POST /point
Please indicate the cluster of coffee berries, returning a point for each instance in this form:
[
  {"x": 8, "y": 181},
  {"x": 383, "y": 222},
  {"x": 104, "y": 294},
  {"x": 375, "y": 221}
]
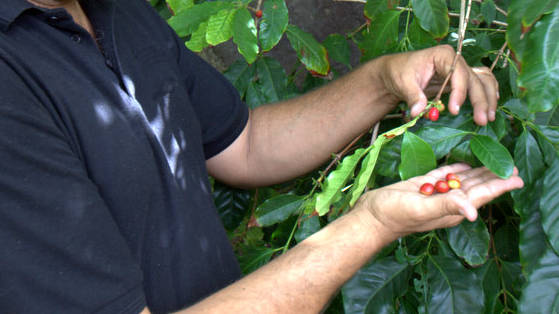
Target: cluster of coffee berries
[
  {"x": 434, "y": 112},
  {"x": 452, "y": 182}
]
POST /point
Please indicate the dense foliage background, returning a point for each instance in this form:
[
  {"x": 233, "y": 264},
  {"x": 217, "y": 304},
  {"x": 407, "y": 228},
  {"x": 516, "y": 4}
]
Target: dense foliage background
[{"x": 506, "y": 261}]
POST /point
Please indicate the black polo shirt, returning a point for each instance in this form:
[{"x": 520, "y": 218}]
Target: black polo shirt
[{"x": 105, "y": 204}]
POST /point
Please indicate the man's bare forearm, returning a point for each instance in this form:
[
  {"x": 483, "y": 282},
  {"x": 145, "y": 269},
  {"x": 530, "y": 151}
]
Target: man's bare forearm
[{"x": 304, "y": 279}]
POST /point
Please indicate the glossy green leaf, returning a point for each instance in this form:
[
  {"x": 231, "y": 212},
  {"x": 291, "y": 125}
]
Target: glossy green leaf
[
  {"x": 375, "y": 288},
  {"x": 373, "y": 8},
  {"x": 389, "y": 159},
  {"x": 338, "y": 49},
  {"x": 309, "y": 51},
  {"x": 253, "y": 258},
  {"x": 336, "y": 180},
  {"x": 220, "y": 26},
  {"x": 273, "y": 23},
  {"x": 470, "y": 240},
  {"x": 493, "y": 155},
  {"x": 417, "y": 157},
  {"x": 419, "y": 38},
  {"x": 463, "y": 153},
  {"x": 381, "y": 36},
  {"x": 309, "y": 225},
  {"x": 452, "y": 288},
  {"x": 489, "y": 273},
  {"x": 499, "y": 126},
  {"x": 272, "y": 77},
  {"x": 187, "y": 21},
  {"x": 441, "y": 139},
  {"x": 432, "y": 15},
  {"x": 549, "y": 204},
  {"x": 488, "y": 10},
  {"x": 255, "y": 97},
  {"x": 519, "y": 109},
  {"x": 277, "y": 209},
  {"x": 177, "y": 6},
  {"x": 513, "y": 278},
  {"x": 539, "y": 76},
  {"x": 548, "y": 148},
  {"x": 232, "y": 204},
  {"x": 541, "y": 294},
  {"x": 197, "y": 40},
  {"x": 515, "y": 37},
  {"x": 550, "y": 118},
  {"x": 532, "y": 240},
  {"x": 551, "y": 133},
  {"x": 528, "y": 158},
  {"x": 240, "y": 74},
  {"x": 244, "y": 35},
  {"x": 534, "y": 10},
  {"x": 488, "y": 131}
]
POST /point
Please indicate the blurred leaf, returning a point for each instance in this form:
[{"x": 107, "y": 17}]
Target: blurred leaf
[
  {"x": 539, "y": 75},
  {"x": 550, "y": 152},
  {"x": 309, "y": 226},
  {"x": 549, "y": 204},
  {"x": 277, "y": 209},
  {"x": 381, "y": 36},
  {"x": 253, "y": 258},
  {"x": 232, "y": 204},
  {"x": 463, "y": 153},
  {"x": 550, "y": 118},
  {"x": 240, "y": 74},
  {"x": 512, "y": 277},
  {"x": 309, "y": 51},
  {"x": 488, "y": 10},
  {"x": 376, "y": 7},
  {"x": 220, "y": 26},
  {"x": 452, "y": 288},
  {"x": 197, "y": 40},
  {"x": 541, "y": 294},
  {"x": 528, "y": 158},
  {"x": 179, "y": 5},
  {"x": 273, "y": 23},
  {"x": 244, "y": 35},
  {"x": 489, "y": 274},
  {"x": 336, "y": 180},
  {"x": 419, "y": 38},
  {"x": 272, "y": 77},
  {"x": 519, "y": 109},
  {"x": 441, "y": 139},
  {"x": 532, "y": 242},
  {"x": 499, "y": 125},
  {"x": 417, "y": 157},
  {"x": 338, "y": 49},
  {"x": 432, "y": 15},
  {"x": 187, "y": 21},
  {"x": 506, "y": 242},
  {"x": 389, "y": 159},
  {"x": 488, "y": 131},
  {"x": 470, "y": 240},
  {"x": 375, "y": 288},
  {"x": 255, "y": 97},
  {"x": 493, "y": 155}
]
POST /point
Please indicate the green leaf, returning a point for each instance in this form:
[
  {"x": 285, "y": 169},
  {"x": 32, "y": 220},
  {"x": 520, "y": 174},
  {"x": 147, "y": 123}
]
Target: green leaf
[
  {"x": 232, "y": 204},
  {"x": 244, "y": 35},
  {"x": 541, "y": 293},
  {"x": 336, "y": 180},
  {"x": 240, "y": 74},
  {"x": 493, "y": 155},
  {"x": 534, "y": 10},
  {"x": 506, "y": 242},
  {"x": 197, "y": 40},
  {"x": 373, "y": 8},
  {"x": 432, "y": 15},
  {"x": 375, "y": 288},
  {"x": 309, "y": 51},
  {"x": 550, "y": 152},
  {"x": 417, "y": 157},
  {"x": 441, "y": 139},
  {"x": 532, "y": 241},
  {"x": 499, "y": 126},
  {"x": 519, "y": 109},
  {"x": 272, "y": 77},
  {"x": 338, "y": 49},
  {"x": 277, "y": 209},
  {"x": 549, "y": 204},
  {"x": 273, "y": 23},
  {"x": 255, "y": 97},
  {"x": 389, "y": 159},
  {"x": 253, "y": 258},
  {"x": 548, "y": 118},
  {"x": 463, "y": 153},
  {"x": 489, "y": 273},
  {"x": 381, "y": 36},
  {"x": 187, "y": 21},
  {"x": 470, "y": 240},
  {"x": 220, "y": 26},
  {"x": 308, "y": 227},
  {"x": 488, "y": 10},
  {"x": 177, "y": 6},
  {"x": 539, "y": 76},
  {"x": 419, "y": 38},
  {"x": 452, "y": 288},
  {"x": 528, "y": 158}
]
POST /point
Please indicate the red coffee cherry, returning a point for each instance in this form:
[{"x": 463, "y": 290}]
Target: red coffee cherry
[
  {"x": 258, "y": 13},
  {"x": 427, "y": 189},
  {"x": 454, "y": 184},
  {"x": 433, "y": 114},
  {"x": 451, "y": 176},
  {"x": 442, "y": 187}
]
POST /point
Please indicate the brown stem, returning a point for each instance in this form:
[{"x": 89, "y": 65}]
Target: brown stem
[
  {"x": 375, "y": 132},
  {"x": 499, "y": 55},
  {"x": 494, "y": 249},
  {"x": 339, "y": 156}
]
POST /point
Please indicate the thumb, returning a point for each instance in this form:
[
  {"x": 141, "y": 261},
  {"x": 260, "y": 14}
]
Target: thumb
[{"x": 416, "y": 100}]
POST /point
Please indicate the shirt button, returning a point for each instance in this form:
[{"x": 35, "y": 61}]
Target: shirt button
[
  {"x": 76, "y": 38},
  {"x": 53, "y": 18},
  {"x": 109, "y": 63}
]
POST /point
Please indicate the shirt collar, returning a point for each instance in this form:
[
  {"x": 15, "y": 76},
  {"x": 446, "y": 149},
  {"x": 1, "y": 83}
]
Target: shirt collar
[{"x": 10, "y": 10}]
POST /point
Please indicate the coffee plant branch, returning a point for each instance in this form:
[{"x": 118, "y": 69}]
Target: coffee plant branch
[{"x": 499, "y": 55}]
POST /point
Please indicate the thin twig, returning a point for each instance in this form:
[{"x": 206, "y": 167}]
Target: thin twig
[
  {"x": 503, "y": 12},
  {"x": 259, "y": 5},
  {"x": 499, "y": 55},
  {"x": 339, "y": 156},
  {"x": 375, "y": 133}
]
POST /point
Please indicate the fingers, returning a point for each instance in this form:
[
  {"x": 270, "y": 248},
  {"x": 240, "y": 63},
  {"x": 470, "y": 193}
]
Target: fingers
[
  {"x": 491, "y": 87},
  {"x": 441, "y": 172}
]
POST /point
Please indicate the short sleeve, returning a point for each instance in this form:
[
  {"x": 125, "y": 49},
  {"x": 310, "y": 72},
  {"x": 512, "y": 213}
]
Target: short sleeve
[
  {"x": 217, "y": 103},
  {"x": 61, "y": 251}
]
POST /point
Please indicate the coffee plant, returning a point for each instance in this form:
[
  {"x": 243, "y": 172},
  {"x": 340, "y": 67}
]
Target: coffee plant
[{"x": 505, "y": 261}]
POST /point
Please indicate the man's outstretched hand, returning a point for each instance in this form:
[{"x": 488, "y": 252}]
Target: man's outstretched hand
[
  {"x": 414, "y": 77},
  {"x": 399, "y": 209}
]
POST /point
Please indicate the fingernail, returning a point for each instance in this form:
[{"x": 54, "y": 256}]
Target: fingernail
[
  {"x": 492, "y": 115},
  {"x": 415, "y": 109}
]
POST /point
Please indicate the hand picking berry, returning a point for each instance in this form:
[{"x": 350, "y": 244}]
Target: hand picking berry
[{"x": 433, "y": 114}]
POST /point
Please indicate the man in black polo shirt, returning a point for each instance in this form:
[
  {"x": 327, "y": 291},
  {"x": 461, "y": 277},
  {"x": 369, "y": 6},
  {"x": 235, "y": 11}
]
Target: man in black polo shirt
[{"x": 107, "y": 126}]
